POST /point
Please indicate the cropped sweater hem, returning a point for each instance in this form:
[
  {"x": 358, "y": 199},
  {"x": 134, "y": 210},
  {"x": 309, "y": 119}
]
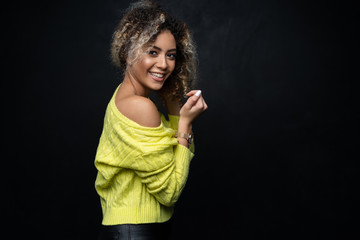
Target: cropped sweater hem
[{"x": 136, "y": 215}]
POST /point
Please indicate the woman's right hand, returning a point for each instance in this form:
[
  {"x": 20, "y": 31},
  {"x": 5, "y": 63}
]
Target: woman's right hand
[{"x": 193, "y": 107}]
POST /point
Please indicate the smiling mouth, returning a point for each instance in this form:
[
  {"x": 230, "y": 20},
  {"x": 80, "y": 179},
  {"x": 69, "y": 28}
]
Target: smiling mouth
[{"x": 157, "y": 76}]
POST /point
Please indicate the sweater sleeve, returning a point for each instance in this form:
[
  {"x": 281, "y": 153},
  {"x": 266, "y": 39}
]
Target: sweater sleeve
[
  {"x": 152, "y": 153},
  {"x": 167, "y": 181},
  {"x": 163, "y": 163}
]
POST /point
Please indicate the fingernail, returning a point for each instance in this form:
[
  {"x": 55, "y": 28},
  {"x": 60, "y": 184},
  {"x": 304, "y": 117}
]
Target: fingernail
[{"x": 198, "y": 93}]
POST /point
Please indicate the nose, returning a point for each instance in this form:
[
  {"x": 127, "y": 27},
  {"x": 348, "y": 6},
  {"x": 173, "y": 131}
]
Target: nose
[{"x": 162, "y": 62}]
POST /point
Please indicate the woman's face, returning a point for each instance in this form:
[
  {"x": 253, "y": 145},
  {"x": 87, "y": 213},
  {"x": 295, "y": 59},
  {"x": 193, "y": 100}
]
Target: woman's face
[{"x": 151, "y": 71}]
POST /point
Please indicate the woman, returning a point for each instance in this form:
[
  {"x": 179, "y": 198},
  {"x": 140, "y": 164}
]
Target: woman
[{"x": 143, "y": 159}]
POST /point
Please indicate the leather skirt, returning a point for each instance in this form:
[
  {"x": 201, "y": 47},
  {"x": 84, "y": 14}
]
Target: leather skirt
[{"x": 149, "y": 231}]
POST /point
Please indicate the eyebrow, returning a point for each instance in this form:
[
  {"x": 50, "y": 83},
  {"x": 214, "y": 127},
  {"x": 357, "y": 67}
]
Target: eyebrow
[{"x": 170, "y": 50}]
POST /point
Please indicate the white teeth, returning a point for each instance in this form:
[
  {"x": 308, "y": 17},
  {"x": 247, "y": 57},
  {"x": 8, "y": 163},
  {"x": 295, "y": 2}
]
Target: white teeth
[{"x": 158, "y": 75}]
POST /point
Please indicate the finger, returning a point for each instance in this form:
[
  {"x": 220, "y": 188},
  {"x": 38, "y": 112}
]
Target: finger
[
  {"x": 203, "y": 104},
  {"x": 193, "y": 100},
  {"x": 192, "y": 92}
]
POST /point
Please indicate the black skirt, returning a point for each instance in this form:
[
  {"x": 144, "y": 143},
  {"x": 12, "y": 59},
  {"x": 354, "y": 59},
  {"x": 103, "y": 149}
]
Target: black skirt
[{"x": 149, "y": 231}]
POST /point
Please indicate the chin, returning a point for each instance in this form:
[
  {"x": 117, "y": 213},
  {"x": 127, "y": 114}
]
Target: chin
[{"x": 157, "y": 87}]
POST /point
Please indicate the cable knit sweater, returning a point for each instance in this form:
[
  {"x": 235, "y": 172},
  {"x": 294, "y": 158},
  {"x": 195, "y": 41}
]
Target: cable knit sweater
[{"x": 141, "y": 170}]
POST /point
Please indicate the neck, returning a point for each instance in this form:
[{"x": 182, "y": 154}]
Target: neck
[{"x": 136, "y": 87}]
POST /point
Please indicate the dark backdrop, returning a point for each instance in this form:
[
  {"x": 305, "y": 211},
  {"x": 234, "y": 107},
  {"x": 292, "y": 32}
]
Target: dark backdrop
[{"x": 276, "y": 151}]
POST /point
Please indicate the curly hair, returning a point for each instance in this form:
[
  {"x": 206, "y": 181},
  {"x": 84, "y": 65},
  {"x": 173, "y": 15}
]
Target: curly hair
[{"x": 142, "y": 22}]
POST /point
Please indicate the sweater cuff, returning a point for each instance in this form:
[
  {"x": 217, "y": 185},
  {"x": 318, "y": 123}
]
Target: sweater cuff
[{"x": 183, "y": 153}]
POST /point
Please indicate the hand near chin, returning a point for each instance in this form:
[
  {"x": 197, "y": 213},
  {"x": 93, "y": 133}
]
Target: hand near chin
[{"x": 194, "y": 106}]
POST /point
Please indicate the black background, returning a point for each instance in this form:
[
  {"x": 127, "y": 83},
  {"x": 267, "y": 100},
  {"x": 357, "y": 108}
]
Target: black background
[{"x": 276, "y": 151}]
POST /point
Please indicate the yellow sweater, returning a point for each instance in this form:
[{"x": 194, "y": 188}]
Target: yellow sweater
[{"x": 141, "y": 170}]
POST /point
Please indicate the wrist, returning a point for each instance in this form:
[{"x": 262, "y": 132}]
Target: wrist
[
  {"x": 187, "y": 136},
  {"x": 183, "y": 141},
  {"x": 184, "y": 126}
]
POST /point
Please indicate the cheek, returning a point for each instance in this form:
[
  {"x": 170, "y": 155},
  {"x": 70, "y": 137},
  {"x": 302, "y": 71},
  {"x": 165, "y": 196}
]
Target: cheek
[
  {"x": 146, "y": 64},
  {"x": 171, "y": 66}
]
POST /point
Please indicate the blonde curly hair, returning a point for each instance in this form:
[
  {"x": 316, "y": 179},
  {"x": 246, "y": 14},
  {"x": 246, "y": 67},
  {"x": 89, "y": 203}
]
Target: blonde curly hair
[{"x": 141, "y": 24}]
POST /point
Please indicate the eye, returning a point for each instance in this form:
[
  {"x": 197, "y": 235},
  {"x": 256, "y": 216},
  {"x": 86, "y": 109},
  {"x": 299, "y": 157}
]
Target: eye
[
  {"x": 172, "y": 56},
  {"x": 153, "y": 53}
]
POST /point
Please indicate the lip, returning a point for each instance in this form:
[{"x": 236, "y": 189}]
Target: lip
[{"x": 157, "y": 78}]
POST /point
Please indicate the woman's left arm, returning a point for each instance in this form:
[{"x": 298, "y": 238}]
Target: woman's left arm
[{"x": 166, "y": 181}]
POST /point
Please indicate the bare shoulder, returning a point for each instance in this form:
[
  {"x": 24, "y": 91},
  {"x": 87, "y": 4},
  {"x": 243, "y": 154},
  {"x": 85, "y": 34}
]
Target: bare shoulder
[{"x": 140, "y": 110}]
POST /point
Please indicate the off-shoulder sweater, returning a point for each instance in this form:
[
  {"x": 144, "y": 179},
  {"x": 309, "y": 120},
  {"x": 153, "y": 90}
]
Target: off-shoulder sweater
[{"x": 141, "y": 170}]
